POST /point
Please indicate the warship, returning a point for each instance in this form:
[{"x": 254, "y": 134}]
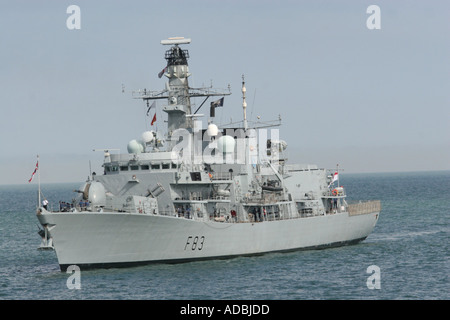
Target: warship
[{"x": 195, "y": 193}]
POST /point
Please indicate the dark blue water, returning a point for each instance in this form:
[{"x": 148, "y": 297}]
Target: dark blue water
[{"x": 410, "y": 245}]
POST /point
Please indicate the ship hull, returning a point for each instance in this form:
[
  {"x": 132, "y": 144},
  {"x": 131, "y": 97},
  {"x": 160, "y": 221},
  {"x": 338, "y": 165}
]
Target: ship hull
[{"x": 98, "y": 240}]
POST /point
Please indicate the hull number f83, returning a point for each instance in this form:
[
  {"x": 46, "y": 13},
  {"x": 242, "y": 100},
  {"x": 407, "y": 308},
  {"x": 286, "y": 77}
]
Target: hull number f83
[{"x": 194, "y": 243}]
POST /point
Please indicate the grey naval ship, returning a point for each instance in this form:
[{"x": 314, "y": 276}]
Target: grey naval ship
[{"x": 194, "y": 193}]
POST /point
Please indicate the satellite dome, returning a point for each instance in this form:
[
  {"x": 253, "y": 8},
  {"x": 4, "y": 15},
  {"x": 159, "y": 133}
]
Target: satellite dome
[
  {"x": 148, "y": 136},
  {"x": 212, "y": 130},
  {"x": 226, "y": 144},
  {"x": 135, "y": 146}
]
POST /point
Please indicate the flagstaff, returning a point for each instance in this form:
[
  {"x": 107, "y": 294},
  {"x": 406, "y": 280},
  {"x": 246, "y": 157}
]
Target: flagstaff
[
  {"x": 39, "y": 183},
  {"x": 337, "y": 170},
  {"x": 244, "y": 103},
  {"x": 36, "y": 169}
]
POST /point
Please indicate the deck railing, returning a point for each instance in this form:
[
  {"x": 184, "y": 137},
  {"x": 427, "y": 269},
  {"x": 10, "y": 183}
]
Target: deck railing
[
  {"x": 364, "y": 207},
  {"x": 221, "y": 176}
]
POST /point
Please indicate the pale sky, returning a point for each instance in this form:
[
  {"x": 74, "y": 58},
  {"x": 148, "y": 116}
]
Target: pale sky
[{"x": 370, "y": 100}]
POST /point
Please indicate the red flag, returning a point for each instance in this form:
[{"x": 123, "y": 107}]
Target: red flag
[
  {"x": 34, "y": 172},
  {"x": 162, "y": 72},
  {"x": 335, "y": 177},
  {"x": 154, "y": 119}
]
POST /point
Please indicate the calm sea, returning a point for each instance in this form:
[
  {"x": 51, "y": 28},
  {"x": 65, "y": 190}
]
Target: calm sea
[{"x": 410, "y": 246}]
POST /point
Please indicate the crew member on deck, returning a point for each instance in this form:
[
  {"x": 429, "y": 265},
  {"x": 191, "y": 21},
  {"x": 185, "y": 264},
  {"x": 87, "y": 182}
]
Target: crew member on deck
[
  {"x": 45, "y": 203},
  {"x": 233, "y": 215}
]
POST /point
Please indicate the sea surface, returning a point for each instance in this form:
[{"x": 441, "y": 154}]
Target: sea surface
[{"x": 409, "y": 251}]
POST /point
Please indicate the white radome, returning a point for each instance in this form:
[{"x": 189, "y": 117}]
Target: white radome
[
  {"x": 135, "y": 146},
  {"x": 148, "y": 136},
  {"x": 212, "y": 130},
  {"x": 226, "y": 144}
]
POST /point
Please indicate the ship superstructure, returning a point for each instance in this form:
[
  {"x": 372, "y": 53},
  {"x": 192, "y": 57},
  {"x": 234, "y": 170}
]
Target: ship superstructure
[{"x": 201, "y": 193}]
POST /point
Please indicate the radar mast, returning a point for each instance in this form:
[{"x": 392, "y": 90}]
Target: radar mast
[{"x": 177, "y": 90}]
